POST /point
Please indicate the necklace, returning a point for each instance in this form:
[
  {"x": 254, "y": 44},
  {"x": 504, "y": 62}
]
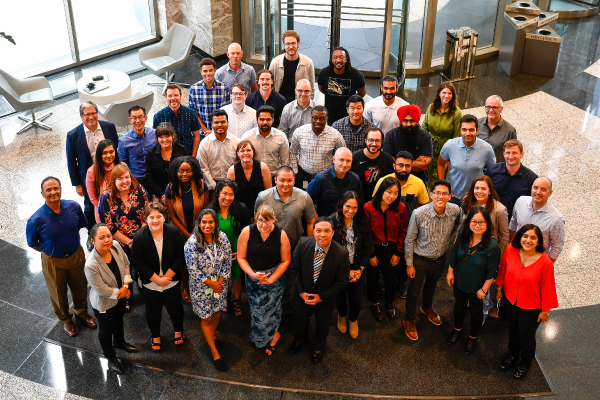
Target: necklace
[
  {"x": 186, "y": 191},
  {"x": 523, "y": 258}
]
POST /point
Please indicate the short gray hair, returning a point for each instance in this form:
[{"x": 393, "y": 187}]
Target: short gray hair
[
  {"x": 495, "y": 96},
  {"x": 87, "y": 104}
]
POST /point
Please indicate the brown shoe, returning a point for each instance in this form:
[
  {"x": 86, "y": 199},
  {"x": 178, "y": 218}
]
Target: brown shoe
[
  {"x": 410, "y": 327},
  {"x": 494, "y": 315},
  {"x": 88, "y": 320},
  {"x": 70, "y": 329},
  {"x": 432, "y": 315},
  {"x": 353, "y": 329}
]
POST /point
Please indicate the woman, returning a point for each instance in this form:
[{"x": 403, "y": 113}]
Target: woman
[
  {"x": 251, "y": 175},
  {"x": 208, "y": 259},
  {"x": 97, "y": 179},
  {"x": 473, "y": 267},
  {"x": 233, "y": 216},
  {"x": 526, "y": 280},
  {"x": 352, "y": 230},
  {"x": 158, "y": 253},
  {"x": 185, "y": 196},
  {"x": 159, "y": 158},
  {"x": 264, "y": 254},
  {"x": 388, "y": 220},
  {"x": 442, "y": 121},
  {"x": 107, "y": 272}
]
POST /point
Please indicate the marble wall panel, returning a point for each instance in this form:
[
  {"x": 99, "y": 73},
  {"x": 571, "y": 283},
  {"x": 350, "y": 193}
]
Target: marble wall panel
[{"x": 222, "y": 25}]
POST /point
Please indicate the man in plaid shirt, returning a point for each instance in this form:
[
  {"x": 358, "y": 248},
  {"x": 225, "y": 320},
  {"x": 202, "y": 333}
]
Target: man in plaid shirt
[{"x": 208, "y": 94}]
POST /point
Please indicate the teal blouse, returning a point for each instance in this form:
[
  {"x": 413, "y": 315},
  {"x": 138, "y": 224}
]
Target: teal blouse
[{"x": 483, "y": 264}]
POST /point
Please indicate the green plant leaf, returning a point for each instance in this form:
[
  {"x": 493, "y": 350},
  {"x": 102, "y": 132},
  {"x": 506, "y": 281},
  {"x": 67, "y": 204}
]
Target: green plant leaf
[{"x": 8, "y": 37}]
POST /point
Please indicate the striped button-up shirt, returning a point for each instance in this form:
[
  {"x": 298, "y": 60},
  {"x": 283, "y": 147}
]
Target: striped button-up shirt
[
  {"x": 204, "y": 100},
  {"x": 429, "y": 234},
  {"x": 242, "y": 122},
  {"x": 354, "y": 140},
  {"x": 314, "y": 153},
  {"x": 548, "y": 219},
  {"x": 273, "y": 149}
]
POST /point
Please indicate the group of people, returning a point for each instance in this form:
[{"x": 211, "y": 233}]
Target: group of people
[{"x": 254, "y": 185}]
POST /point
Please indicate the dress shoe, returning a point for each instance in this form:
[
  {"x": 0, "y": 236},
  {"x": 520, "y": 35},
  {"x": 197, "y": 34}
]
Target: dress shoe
[
  {"x": 128, "y": 347},
  {"x": 220, "y": 365},
  {"x": 115, "y": 365},
  {"x": 353, "y": 329},
  {"x": 520, "y": 372},
  {"x": 88, "y": 320},
  {"x": 470, "y": 347},
  {"x": 70, "y": 329},
  {"x": 433, "y": 316},
  {"x": 342, "y": 324},
  {"x": 410, "y": 327},
  {"x": 494, "y": 315},
  {"x": 453, "y": 338},
  {"x": 390, "y": 311},
  {"x": 317, "y": 356},
  {"x": 507, "y": 362},
  {"x": 376, "y": 309},
  {"x": 295, "y": 347}
]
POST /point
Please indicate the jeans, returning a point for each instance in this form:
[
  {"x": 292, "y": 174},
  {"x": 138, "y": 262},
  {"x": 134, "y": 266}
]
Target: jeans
[
  {"x": 428, "y": 273},
  {"x": 521, "y": 332}
]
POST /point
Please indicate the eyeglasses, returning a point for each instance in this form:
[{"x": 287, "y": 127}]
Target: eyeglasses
[
  {"x": 373, "y": 140},
  {"x": 264, "y": 222},
  {"x": 137, "y": 118},
  {"x": 342, "y": 58},
  {"x": 488, "y": 108},
  {"x": 302, "y": 91},
  {"x": 403, "y": 166},
  {"x": 237, "y": 94},
  {"x": 478, "y": 223},
  {"x": 290, "y": 44},
  {"x": 440, "y": 194},
  {"x": 90, "y": 115}
]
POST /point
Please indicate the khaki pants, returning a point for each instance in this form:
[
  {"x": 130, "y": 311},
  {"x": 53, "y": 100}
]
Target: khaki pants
[{"x": 60, "y": 272}]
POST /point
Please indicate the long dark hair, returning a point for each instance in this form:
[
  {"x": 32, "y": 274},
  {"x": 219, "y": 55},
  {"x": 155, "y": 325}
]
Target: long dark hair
[
  {"x": 174, "y": 183},
  {"x": 99, "y": 165},
  {"x": 437, "y": 102},
  {"x": 346, "y": 52},
  {"x": 465, "y": 235},
  {"x": 516, "y": 242},
  {"x": 200, "y": 242},
  {"x": 359, "y": 219},
  {"x": 469, "y": 199},
  {"x": 236, "y": 207},
  {"x": 385, "y": 185}
]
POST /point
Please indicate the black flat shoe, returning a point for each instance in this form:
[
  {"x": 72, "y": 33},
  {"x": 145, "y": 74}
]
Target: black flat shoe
[
  {"x": 507, "y": 362},
  {"x": 115, "y": 365},
  {"x": 295, "y": 347},
  {"x": 470, "y": 347},
  {"x": 220, "y": 364},
  {"x": 390, "y": 311},
  {"x": 376, "y": 310},
  {"x": 520, "y": 372},
  {"x": 453, "y": 338},
  {"x": 128, "y": 347},
  {"x": 317, "y": 356}
]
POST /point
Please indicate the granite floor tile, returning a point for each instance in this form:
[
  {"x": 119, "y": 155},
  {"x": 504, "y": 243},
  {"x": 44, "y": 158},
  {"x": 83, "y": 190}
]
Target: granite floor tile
[
  {"x": 576, "y": 383},
  {"x": 580, "y": 288},
  {"x": 575, "y": 259},
  {"x": 15, "y": 388}
]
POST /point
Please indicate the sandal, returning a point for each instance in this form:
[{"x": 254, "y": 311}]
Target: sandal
[
  {"x": 185, "y": 296},
  {"x": 228, "y": 305},
  {"x": 178, "y": 338},
  {"x": 269, "y": 350},
  {"x": 155, "y": 344},
  {"x": 237, "y": 306}
]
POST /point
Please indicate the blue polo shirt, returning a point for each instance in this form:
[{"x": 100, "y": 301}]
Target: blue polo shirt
[
  {"x": 511, "y": 187},
  {"x": 275, "y": 100},
  {"x": 56, "y": 234},
  {"x": 246, "y": 75},
  {"x": 326, "y": 188},
  {"x": 133, "y": 148},
  {"x": 466, "y": 162},
  {"x": 184, "y": 123}
]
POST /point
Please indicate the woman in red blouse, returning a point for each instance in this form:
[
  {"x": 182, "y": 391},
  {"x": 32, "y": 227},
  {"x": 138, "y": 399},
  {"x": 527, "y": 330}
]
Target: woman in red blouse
[
  {"x": 526, "y": 279},
  {"x": 389, "y": 222}
]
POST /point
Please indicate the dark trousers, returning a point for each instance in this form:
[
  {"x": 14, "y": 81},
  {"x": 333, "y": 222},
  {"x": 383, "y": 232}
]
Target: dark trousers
[
  {"x": 323, "y": 313},
  {"x": 384, "y": 256},
  {"x": 302, "y": 176},
  {"x": 521, "y": 332},
  {"x": 354, "y": 293},
  {"x": 88, "y": 211},
  {"x": 460, "y": 310},
  {"x": 110, "y": 328},
  {"x": 455, "y": 200},
  {"x": 427, "y": 273},
  {"x": 171, "y": 300},
  {"x": 401, "y": 276}
]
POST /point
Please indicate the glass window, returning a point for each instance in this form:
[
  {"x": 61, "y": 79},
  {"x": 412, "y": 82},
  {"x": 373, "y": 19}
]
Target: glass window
[{"x": 414, "y": 35}]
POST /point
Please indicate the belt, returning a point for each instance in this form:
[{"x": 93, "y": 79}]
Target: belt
[{"x": 431, "y": 260}]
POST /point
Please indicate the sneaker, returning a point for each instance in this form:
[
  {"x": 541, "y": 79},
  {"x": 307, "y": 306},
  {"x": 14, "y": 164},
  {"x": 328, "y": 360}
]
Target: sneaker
[
  {"x": 432, "y": 315},
  {"x": 410, "y": 327}
]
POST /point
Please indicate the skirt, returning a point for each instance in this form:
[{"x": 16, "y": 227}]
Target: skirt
[{"x": 265, "y": 308}]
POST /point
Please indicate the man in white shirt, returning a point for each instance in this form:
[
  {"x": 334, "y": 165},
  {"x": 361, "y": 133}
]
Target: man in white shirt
[
  {"x": 217, "y": 150},
  {"x": 241, "y": 117},
  {"x": 382, "y": 110},
  {"x": 271, "y": 144},
  {"x": 297, "y": 113}
]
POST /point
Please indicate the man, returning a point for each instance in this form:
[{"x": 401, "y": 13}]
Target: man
[
  {"x": 266, "y": 95},
  {"x": 370, "y": 163},
  {"x": 537, "y": 209},
  {"x": 313, "y": 146},
  {"x": 134, "y": 145},
  {"x": 81, "y": 151},
  {"x": 468, "y": 157},
  {"x": 430, "y": 236},
  {"x": 290, "y": 67},
  {"x": 338, "y": 81},
  {"x": 271, "y": 144},
  {"x": 53, "y": 230},
  {"x": 511, "y": 178},
  {"x": 319, "y": 270},
  {"x": 353, "y": 127},
  {"x": 382, "y": 110},
  {"x": 494, "y": 129},
  {"x": 207, "y": 95},
  {"x": 235, "y": 71},
  {"x": 241, "y": 117},
  {"x": 328, "y": 186},
  {"x": 297, "y": 113},
  {"x": 184, "y": 120},
  {"x": 217, "y": 150},
  {"x": 409, "y": 136}
]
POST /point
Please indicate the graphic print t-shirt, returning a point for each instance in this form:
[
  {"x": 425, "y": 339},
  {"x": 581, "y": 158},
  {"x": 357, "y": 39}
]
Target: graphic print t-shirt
[
  {"x": 338, "y": 89},
  {"x": 371, "y": 170}
]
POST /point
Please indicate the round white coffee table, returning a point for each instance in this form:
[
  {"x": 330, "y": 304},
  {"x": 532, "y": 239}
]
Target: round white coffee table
[{"x": 119, "y": 87}]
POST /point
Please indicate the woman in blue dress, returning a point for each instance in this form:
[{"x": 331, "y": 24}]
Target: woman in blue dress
[{"x": 208, "y": 259}]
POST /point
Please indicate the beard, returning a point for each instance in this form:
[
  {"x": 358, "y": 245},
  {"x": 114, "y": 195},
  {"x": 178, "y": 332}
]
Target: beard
[
  {"x": 402, "y": 176},
  {"x": 408, "y": 134}
]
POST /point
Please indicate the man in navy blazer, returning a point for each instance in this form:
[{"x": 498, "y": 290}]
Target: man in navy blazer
[
  {"x": 81, "y": 150},
  {"x": 316, "y": 288}
]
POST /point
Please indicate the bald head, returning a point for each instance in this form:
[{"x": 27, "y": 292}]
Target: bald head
[
  {"x": 235, "y": 54},
  {"x": 541, "y": 190},
  {"x": 342, "y": 161}
]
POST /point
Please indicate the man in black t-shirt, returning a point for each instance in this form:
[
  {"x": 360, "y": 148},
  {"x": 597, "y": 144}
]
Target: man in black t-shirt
[
  {"x": 370, "y": 163},
  {"x": 339, "y": 81}
]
